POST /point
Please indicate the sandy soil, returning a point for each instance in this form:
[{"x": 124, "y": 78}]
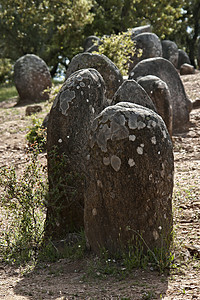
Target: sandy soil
[{"x": 67, "y": 279}]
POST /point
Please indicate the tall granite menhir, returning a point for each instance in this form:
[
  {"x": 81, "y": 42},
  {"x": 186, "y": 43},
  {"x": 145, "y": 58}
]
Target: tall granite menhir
[
  {"x": 162, "y": 68},
  {"x": 80, "y": 99},
  {"x": 128, "y": 194},
  {"x": 32, "y": 79}
]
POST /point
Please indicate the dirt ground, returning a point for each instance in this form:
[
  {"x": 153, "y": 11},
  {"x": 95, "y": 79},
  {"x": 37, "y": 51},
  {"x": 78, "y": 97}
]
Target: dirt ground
[{"x": 67, "y": 279}]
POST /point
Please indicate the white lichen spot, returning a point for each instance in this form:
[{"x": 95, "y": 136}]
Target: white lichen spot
[
  {"x": 132, "y": 138},
  {"x": 155, "y": 235},
  {"x": 106, "y": 161},
  {"x": 112, "y": 77},
  {"x": 94, "y": 212},
  {"x": 154, "y": 123},
  {"x": 67, "y": 136},
  {"x": 150, "y": 176},
  {"x": 82, "y": 84},
  {"x": 93, "y": 110},
  {"x": 99, "y": 183},
  {"x": 160, "y": 227},
  {"x": 88, "y": 86},
  {"x": 88, "y": 157},
  {"x": 153, "y": 140},
  {"x": 158, "y": 152},
  {"x": 87, "y": 100},
  {"x": 141, "y": 125},
  {"x": 131, "y": 162},
  {"x": 60, "y": 141},
  {"x": 142, "y": 145},
  {"x": 140, "y": 150},
  {"x": 115, "y": 162},
  {"x": 78, "y": 87},
  {"x": 164, "y": 134},
  {"x": 82, "y": 93},
  {"x": 165, "y": 217}
]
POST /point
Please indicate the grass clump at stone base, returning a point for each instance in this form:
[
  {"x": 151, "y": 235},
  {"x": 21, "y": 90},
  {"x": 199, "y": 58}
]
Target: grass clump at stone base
[
  {"x": 23, "y": 202},
  {"x": 7, "y": 91},
  {"x": 37, "y": 135}
]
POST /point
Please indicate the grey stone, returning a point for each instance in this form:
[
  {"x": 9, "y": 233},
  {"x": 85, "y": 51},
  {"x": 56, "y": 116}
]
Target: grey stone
[
  {"x": 159, "y": 93},
  {"x": 90, "y": 41},
  {"x": 110, "y": 73},
  {"x": 162, "y": 68},
  {"x": 128, "y": 195},
  {"x": 140, "y": 29},
  {"x": 80, "y": 99},
  {"x": 198, "y": 53},
  {"x": 182, "y": 58},
  {"x": 131, "y": 91},
  {"x": 150, "y": 45},
  {"x": 170, "y": 52},
  {"x": 32, "y": 109},
  {"x": 186, "y": 69},
  {"x": 32, "y": 78}
]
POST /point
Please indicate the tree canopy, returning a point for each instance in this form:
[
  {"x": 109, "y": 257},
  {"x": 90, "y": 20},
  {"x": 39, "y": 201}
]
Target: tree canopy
[
  {"x": 55, "y": 30},
  {"x": 51, "y": 29}
]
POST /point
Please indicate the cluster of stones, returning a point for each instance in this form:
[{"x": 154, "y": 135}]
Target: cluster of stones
[
  {"x": 112, "y": 136},
  {"x": 109, "y": 149}
]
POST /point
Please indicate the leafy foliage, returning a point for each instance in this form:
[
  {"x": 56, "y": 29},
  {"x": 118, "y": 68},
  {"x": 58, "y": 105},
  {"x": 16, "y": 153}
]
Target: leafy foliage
[
  {"x": 37, "y": 135},
  {"x": 23, "y": 202},
  {"x": 50, "y": 29},
  {"x": 119, "y": 48}
]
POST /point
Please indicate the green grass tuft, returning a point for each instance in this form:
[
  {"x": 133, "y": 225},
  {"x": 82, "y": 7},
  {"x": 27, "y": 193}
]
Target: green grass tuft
[{"x": 7, "y": 91}]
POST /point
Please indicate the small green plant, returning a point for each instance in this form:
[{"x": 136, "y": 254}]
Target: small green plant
[
  {"x": 119, "y": 48},
  {"x": 23, "y": 202},
  {"x": 37, "y": 135}
]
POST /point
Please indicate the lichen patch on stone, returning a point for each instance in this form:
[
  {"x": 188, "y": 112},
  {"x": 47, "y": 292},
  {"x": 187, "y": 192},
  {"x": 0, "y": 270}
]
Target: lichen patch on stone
[
  {"x": 140, "y": 150},
  {"x": 132, "y": 138},
  {"x": 115, "y": 162},
  {"x": 65, "y": 98},
  {"x": 131, "y": 162}
]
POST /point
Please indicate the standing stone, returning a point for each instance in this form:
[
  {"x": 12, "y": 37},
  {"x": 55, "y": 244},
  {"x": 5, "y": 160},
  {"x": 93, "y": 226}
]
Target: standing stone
[
  {"x": 131, "y": 91},
  {"x": 183, "y": 58},
  {"x": 170, "y": 52},
  {"x": 129, "y": 190},
  {"x": 32, "y": 78},
  {"x": 198, "y": 53},
  {"x": 162, "y": 68},
  {"x": 90, "y": 41},
  {"x": 159, "y": 93},
  {"x": 140, "y": 29},
  {"x": 80, "y": 99},
  {"x": 149, "y": 44},
  {"x": 110, "y": 73}
]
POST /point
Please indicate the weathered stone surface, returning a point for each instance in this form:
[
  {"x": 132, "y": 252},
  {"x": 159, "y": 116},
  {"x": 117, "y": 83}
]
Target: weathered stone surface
[
  {"x": 181, "y": 105},
  {"x": 137, "y": 30},
  {"x": 131, "y": 91},
  {"x": 170, "y": 52},
  {"x": 198, "y": 54},
  {"x": 80, "y": 99},
  {"x": 110, "y": 73},
  {"x": 150, "y": 45},
  {"x": 186, "y": 69},
  {"x": 159, "y": 93},
  {"x": 183, "y": 58},
  {"x": 129, "y": 188},
  {"x": 90, "y": 41},
  {"x": 32, "y": 109},
  {"x": 32, "y": 78}
]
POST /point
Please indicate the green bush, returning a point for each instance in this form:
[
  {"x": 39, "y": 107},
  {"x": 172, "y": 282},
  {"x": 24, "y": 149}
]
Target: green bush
[
  {"x": 119, "y": 48},
  {"x": 23, "y": 204},
  {"x": 5, "y": 70},
  {"x": 37, "y": 135}
]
